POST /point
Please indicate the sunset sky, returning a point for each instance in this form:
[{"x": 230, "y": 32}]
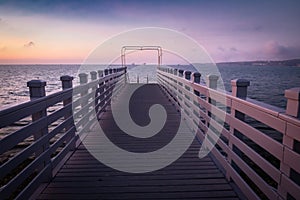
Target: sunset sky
[{"x": 54, "y": 31}]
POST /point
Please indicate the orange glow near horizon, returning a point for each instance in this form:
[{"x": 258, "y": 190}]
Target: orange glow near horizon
[{"x": 65, "y": 32}]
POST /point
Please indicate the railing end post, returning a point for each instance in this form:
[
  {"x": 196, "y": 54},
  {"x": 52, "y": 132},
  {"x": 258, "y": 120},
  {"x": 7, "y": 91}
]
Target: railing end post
[{"x": 293, "y": 102}]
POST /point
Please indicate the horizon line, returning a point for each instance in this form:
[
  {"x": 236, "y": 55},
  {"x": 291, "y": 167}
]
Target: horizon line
[{"x": 221, "y": 62}]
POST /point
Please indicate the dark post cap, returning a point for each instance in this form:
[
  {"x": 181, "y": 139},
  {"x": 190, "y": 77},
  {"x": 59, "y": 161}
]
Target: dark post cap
[
  {"x": 66, "y": 78},
  {"x": 36, "y": 83}
]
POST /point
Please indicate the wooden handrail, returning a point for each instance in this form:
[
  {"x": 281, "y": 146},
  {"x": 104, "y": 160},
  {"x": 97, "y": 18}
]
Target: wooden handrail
[{"x": 243, "y": 150}]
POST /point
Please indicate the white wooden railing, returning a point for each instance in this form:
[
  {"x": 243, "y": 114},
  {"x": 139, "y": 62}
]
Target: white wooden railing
[
  {"x": 260, "y": 165},
  {"x": 54, "y": 134}
]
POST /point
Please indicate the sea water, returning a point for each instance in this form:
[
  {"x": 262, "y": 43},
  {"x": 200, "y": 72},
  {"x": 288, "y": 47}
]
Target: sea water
[{"x": 267, "y": 83}]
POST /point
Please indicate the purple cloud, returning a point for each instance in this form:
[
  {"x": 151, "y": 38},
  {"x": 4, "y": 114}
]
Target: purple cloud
[
  {"x": 233, "y": 49},
  {"x": 279, "y": 51},
  {"x": 221, "y": 49}
]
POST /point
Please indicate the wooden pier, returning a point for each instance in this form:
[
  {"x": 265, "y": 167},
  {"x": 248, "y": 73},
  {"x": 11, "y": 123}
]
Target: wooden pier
[
  {"x": 84, "y": 177},
  {"x": 244, "y": 161}
]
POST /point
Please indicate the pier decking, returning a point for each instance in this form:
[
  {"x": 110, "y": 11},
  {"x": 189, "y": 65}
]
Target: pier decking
[{"x": 84, "y": 177}]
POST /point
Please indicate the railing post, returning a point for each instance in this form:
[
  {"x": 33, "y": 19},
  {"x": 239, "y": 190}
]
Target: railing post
[
  {"x": 196, "y": 79},
  {"x": 100, "y": 73},
  {"x": 125, "y": 74},
  {"x": 106, "y": 72},
  {"x": 67, "y": 82},
  {"x": 101, "y": 85},
  {"x": 180, "y": 73},
  {"x": 187, "y": 75},
  {"x": 175, "y": 71},
  {"x": 83, "y": 79},
  {"x": 212, "y": 81},
  {"x": 37, "y": 90},
  {"x": 239, "y": 89},
  {"x": 93, "y": 75},
  {"x": 293, "y": 102},
  {"x": 93, "y": 78},
  {"x": 106, "y": 85}
]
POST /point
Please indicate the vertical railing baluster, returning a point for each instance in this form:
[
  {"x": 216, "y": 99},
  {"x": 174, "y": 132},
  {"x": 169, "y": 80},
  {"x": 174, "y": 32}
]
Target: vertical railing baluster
[
  {"x": 100, "y": 91},
  {"x": 83, "y": 79},
  {"x": 212, "y": 82},
  {"x": 93, "y": 75},
  {"x": 66, "y": 82},
  {"x": 37, "y": 90},
  {"x": 196, "y": 79},
  {"x": 106, "y": 87},
  {"x": 239, "y": 89},
  {"x": 187, "y": 75},
  {"x": 100, "y": 73}
]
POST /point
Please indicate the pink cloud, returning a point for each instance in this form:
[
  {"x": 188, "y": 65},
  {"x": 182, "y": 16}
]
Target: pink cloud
[{"x": 29, "y": 44}]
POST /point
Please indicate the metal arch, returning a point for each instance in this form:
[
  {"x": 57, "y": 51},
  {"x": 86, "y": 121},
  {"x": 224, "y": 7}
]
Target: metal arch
[{"x": 141, "y": 48}]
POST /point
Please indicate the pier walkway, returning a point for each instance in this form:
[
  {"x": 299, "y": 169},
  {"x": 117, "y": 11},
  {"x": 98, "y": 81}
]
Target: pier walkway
[{"x": 84, "y": 177}]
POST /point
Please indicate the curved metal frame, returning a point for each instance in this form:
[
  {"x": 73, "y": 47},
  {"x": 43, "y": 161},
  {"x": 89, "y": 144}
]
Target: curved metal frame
[{"x": 141, "y": 48}]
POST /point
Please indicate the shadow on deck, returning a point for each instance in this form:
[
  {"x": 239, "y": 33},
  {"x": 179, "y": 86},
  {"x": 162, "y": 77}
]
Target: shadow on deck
[{"x": 84, "y": 177}]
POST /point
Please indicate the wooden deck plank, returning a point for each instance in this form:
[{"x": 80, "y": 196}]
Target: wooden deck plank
[
  {"x": 97, "y": 197},
  {"x": 84, "y": 177},
  {"x": 138, "y": 182}
]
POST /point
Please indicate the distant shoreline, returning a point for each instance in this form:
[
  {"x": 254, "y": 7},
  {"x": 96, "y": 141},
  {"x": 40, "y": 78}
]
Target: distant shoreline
[{"x": 291, "y": 62}]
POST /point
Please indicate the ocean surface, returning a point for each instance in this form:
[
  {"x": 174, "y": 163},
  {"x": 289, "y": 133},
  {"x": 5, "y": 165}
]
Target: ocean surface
[{"x": 267, "y": 83}]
